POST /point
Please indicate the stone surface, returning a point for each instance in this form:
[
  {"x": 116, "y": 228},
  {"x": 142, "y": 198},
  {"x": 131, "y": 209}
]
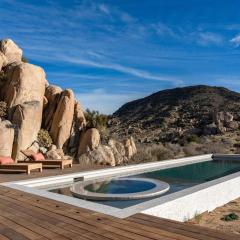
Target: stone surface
[
  {"x": 6, "y": 138},
  {"x": 79, "y": 123},
  {"x": 130, "y": 147},
  {"x": 89, "y": 141},
  {"x": 27, "y": 120},
  {"x": 118, "y": 150},
  {"x": 25, "y": 83},
  {"x": 62, "y": 119},
  {"x": 53, "y": 154},
  {"x": 3, "y": 61},
  {"x": 102, "y": 155},
  {"x": 52, "y": 95},
  {"x": 11, "y": 51},
  {"x": 79, "y": 115}
]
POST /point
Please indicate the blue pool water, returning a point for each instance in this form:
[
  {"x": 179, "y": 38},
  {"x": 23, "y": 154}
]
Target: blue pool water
[{"x": 178, "y": 178}]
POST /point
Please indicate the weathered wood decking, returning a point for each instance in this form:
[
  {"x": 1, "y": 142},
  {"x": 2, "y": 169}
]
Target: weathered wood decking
[{"x": 25, "y": 216}]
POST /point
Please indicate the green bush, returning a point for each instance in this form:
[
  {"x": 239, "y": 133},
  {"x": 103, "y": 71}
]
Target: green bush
[
  {"x": 96, "y": 119},
  {"x": 3, "y": 109},
  {"x": 44, "y": 138},
  {"x": 230, "y": 217}
]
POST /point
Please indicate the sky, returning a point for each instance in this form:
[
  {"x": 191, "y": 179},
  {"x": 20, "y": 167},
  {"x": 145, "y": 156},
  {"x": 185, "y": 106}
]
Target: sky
[{"x": 114, "y": 51}]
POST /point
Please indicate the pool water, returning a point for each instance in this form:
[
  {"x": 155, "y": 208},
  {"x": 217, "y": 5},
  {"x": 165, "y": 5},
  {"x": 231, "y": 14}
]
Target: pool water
[
  {"x": 178, "y": 178},
  {"x": 120, "y": 187}
]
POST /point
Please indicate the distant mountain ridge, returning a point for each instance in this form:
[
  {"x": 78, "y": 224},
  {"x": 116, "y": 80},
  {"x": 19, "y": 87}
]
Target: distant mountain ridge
[{"x": 166, "y": 114}]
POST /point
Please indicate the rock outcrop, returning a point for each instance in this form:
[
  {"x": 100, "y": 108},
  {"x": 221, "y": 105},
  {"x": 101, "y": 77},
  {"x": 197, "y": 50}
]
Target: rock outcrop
[
  {"x": 89, "y": 141},
  {"x": 6, "y": 138},
  {"x": 3, "y": 61},
  {"x": 11, "y": 51},
  {"x": 62, "y": 120},
  {"x": 130, "y": 147},
  {"x": 25, "y": 83},
  {"x": 113, "y": 154},
  {"x": 33, "y": 104},
  {"x": 26, "y": 118}
]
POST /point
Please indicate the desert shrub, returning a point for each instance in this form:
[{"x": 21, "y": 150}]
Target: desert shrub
[
  {"x": 193, "y": 138},
  {"x": 3, "y": 109},
  {"x": 153, "y": 152},
  {"x": 44, "y": 138},
  {"x": 230, "y": 217},
  {"x": 191, "y": 150},
  {"x": 96, "y": 119}
]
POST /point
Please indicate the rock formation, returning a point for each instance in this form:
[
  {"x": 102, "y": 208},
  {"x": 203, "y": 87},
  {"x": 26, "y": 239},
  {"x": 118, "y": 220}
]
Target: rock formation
[
  {"x": 11, "y": 51},
  {"x": 6, "y": 139},
  {"x": 62, "y": 119},
  {"x": 34, "y": 104}
]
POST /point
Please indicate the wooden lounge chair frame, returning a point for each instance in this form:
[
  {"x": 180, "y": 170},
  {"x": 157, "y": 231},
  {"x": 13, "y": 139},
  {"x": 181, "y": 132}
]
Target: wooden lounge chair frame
[
  {"x": 61, "y": 163},
  {"x": 25, "y": 167}
]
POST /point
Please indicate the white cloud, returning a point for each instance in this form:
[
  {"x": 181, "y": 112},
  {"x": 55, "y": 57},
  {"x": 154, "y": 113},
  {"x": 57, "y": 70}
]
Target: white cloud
[
  {"x": 164, "y": 30},
  {"x": 120, "y": 68},
  {"x": 105, "y": 102},
  {"x": 209, "y": 38},
  {"x": 236, "y": 41}
]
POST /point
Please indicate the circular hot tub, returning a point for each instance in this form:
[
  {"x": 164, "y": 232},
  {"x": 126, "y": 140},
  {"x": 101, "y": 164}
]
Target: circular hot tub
[{"x": 119, "y": 189}]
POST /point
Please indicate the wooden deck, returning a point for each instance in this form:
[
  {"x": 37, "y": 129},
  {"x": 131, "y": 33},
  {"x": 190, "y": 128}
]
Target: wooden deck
[{"x": 26, "y": 216}]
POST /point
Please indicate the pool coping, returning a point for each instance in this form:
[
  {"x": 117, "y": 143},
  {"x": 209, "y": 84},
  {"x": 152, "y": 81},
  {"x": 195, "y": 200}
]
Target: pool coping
[{"x": 29, "y": 186}]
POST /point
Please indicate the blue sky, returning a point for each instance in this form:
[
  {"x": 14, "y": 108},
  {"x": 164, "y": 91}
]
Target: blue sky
[{"x": 111, "y": 52}]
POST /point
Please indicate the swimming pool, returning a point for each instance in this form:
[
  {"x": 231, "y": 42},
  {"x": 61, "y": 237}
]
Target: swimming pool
[
  {"x": 179, "y": 178},
  {"x": 197, "y": 184}
]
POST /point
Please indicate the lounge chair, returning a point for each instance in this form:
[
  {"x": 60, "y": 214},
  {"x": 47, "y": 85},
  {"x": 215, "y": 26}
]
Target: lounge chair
[
  {"x": 61, "y": 163},
  {"x": 8, "y": 165}
]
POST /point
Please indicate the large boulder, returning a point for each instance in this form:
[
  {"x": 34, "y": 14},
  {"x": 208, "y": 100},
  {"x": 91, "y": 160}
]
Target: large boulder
[
  {"x": 26, "y": 118},
  {"x": 11, "y": 51},
  {"x": 25, "y": 83},
  {"x": 118, "y": 150},
  {"x": 102, "y": 155},
  {"x": 89, "y": 141},
  {"x": 62, "y": 119},
  {"x": 130, "y": 147},
  {"x": 79, "y": 123},
  {"x": 79, "y": 117},
  {"x": 6, "y": 138},
  {"x": 52, "y": 95}
]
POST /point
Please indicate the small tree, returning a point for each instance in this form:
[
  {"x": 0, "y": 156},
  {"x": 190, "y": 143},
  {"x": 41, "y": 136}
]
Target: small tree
[
  {"x": 44, "y": 138},
  {"x": 96, "y": 119}
]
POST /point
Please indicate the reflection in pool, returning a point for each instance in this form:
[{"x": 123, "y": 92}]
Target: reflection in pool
[{"x": 120, "y": 186}]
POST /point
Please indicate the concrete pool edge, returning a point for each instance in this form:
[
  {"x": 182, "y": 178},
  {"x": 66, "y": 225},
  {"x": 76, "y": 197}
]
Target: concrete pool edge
[{"x": 161, "y": 207}]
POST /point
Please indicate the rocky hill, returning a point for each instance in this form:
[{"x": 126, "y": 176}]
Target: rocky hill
[
  {"x": 176, "y": 114},
  {"x": 38, "y": 116}
]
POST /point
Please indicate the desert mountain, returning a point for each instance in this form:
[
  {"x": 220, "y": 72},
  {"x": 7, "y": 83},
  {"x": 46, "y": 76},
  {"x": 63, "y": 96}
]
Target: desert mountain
[{"x": 170, "y": 115}]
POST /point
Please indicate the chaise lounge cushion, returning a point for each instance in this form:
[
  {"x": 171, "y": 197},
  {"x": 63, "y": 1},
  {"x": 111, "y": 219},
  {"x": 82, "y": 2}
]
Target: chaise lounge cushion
[
  {"x": 37, "y": 156},
  {"x": 6, "y": 160}
]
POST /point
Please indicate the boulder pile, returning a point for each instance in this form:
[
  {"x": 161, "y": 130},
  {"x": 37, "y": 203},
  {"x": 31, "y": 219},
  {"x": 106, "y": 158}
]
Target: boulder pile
[{"x": 34, "y": 104}]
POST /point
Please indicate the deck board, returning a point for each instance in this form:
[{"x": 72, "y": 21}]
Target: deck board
[{"x": 26, "y": 216}]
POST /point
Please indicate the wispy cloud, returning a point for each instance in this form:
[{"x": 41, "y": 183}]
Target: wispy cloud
[
  {"x": 120, "y": 68},
  {"x": 209, "y": 38},
  {"x": 236, "y": 40}
]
